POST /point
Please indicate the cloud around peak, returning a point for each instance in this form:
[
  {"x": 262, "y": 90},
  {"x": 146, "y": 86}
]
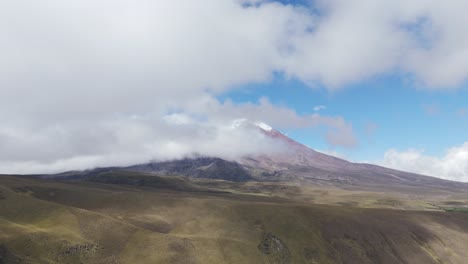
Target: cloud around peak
[{"x": 84, "y": 81}]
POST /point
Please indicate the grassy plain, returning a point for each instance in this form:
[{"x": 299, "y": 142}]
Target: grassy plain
[{"x": 141, "y": 218}]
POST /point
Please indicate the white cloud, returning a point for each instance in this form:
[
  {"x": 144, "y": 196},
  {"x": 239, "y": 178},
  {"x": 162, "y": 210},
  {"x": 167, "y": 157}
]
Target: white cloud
[
  {"x": 179, "y": 119},
  {"x": 205, "y": 127},
  {"x": 355, "y": 40},
  {"x": 126, "y": 142},
  {"x": 339, "y": 132},
  {"x": 85, "y": 82},
  {"x": 452, "y": 166},
  {"x": 319, "y": 107}
]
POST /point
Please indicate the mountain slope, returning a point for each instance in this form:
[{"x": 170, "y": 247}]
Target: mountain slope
[
  {"x": 301, "y": 163},
  {"x": 210, "y": 168},
  {"x": 297, "y": 163}
]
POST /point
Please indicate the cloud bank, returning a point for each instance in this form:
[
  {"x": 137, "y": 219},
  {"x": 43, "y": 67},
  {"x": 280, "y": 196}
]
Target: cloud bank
[
  {"x": 92, "y": 83},
  {"x": 127, "y": 142},
  {"x": 451, "y": 166}
]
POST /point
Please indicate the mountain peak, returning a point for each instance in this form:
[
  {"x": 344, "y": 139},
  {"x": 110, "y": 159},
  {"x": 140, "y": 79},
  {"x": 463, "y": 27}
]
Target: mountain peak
[
  {"x": 244, "y": 122},
  {"x": 264, "y": 126}
]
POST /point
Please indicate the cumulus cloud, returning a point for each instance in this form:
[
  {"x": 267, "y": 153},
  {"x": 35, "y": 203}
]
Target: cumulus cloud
[
  {"x": 126, "y": 142},
  {"x": 85, "y": 82},
  {"x": 339, "y": 132},
  {"x": 451, "y": 166},
  {"x": 204, "y": 126},
  {"x": 354, "y": 40}
]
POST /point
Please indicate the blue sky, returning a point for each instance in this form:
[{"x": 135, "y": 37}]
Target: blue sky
[{"x": 403, "y": 115}]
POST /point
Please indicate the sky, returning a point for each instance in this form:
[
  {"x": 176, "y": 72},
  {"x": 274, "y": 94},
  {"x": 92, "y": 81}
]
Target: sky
[{"x": 86, "y": 83}]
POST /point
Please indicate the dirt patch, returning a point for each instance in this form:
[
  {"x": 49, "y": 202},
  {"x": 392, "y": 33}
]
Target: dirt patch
[
  {"x": 275, "y": 248},
  {"x": 70, "y": 251},
  {"x": 180, "y": 246},
  {"x": 78, "y": 249},
  {"x": 259, "y": 225},
  {"x": 182, "y": 250}
]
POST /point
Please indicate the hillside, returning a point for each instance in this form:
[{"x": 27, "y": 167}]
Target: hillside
[{"x": 116, "y": 217}]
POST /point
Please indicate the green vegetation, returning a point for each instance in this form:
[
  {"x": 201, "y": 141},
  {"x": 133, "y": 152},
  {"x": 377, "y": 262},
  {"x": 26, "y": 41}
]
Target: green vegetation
[
  {"x": 455, "y": 209},
  {"x": 145, "y": 218}
]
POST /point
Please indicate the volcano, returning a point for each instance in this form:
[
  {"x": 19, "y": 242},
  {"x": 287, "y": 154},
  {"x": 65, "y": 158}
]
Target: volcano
[{"x": 296, "y": 163}]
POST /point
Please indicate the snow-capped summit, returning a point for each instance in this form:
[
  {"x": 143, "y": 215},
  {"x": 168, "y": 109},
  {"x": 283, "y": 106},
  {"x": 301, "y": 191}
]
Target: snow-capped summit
[
  {"x": 244, "y": 122},
  {"x": 264, "y": 126}
]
